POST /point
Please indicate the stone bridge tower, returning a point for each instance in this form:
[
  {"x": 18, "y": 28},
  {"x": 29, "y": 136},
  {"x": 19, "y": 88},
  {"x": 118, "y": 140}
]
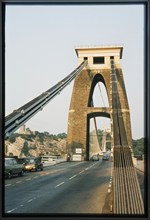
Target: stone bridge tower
[{"x": 98, "y": 69}]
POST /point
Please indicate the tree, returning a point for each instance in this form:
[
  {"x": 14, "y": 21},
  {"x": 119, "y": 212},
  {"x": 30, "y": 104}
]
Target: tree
[{"x": 25, "y": 149}]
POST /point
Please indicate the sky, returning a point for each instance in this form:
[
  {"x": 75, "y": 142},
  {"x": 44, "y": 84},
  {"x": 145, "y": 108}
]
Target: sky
[{"x": 40, "y": 46}]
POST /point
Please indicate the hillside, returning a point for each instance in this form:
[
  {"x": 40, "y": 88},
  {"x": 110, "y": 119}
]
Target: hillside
[
  {"x": 29, "y": 143},
  {"x": 35, "y": 144}
]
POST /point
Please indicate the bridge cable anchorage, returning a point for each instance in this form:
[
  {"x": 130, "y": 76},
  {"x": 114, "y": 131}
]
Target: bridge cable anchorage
[
  {"x": 127, "y": 194},
  {"x": 18, "y": 117}
]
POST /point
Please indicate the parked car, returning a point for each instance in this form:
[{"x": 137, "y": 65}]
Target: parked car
[
  {"x": 13, "y": 168},
  {"x": 33, "y": 164},
  {"x": 21, "y": 160}
]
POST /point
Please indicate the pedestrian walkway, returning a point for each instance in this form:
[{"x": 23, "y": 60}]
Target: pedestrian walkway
[{"x": 139, "y": 165}]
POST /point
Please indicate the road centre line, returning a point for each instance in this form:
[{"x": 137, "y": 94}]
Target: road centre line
[
  {"x": 59, "y": 184},
  {"x": 30, "y": 200},
  {"x": 8, "y": 184},
  {"x": 72, "y": 177},
  {"x": 11, "y": 210},
  {"x": 28, "y": 179},
  {"x": 81, "y": 171},
  {"x": 19, "y": 182}
]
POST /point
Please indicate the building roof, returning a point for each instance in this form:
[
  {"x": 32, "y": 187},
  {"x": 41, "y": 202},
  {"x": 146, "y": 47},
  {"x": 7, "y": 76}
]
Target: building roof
[{"x": 102, "y": 47}]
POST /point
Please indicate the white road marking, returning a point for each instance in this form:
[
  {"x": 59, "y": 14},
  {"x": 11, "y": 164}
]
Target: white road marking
[
  {"x": 109, "y": 190},
  {"x": 59, "y": 184},
  {"x": 109, "y": 185},
  {"x": 11, "y": 210},
  {"x": 35, "y": 176},
  {"x": 72, "y": 177},
  {"x": 30, "y": 200},
  {"x": 86, "y": 168},
  {"x": 28, "y": 179},
  {"x": 8, "y": 185},
  {"x": 82, "y": 171},
  {"x": 19, "y": 182}
]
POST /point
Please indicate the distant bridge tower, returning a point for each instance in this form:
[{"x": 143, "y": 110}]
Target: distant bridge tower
[
  {"x": 104, "y": 139},
  {"x": 81, "y": 109}
]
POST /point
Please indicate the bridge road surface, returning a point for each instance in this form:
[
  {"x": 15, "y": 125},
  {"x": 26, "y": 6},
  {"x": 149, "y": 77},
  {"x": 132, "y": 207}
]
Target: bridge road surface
[{"x": 69, "y": 187}]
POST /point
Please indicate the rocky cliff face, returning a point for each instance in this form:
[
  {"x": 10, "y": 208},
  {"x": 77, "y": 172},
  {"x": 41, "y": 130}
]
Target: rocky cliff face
[{"x": 35, "y": 144}]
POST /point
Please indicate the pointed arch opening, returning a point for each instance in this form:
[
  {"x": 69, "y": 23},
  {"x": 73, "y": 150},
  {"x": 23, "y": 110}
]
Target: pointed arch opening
[
  {"x": 98, "y": 94},
  {"x": 99, "y": 97}
]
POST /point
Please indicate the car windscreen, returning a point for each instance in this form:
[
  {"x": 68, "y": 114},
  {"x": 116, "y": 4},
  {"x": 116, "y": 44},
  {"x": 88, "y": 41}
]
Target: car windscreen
[
  {"x": 21, "y": 161},
  {"x": 8, "y": 162},
  {"x": 30, "y": 161}
]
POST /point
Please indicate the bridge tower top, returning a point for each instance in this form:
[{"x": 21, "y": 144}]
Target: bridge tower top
[{"x": 98, "y": 57}]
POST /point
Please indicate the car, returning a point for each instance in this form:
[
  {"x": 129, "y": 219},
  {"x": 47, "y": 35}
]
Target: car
[
  {"x": 95, "y": 158},
  {"x": 106, "y": 157},
  {"x": 13, "y": 168},
  {"x": 33, "y": 164}
]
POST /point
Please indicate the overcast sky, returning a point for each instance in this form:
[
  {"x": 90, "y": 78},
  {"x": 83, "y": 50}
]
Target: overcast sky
[{"x": 40, "y": 51}]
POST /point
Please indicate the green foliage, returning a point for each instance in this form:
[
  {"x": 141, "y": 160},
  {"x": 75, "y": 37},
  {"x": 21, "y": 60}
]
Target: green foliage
[
  {"x": 138, "y": 146},
  {"x": 25, "y": 149},
  {"x": 46, "y": 133},
  {"x": 40, "y": 137},
  {"x": 28, "y": 137},
  {"x": 62, "y": 135},
  {"x": 100, "y": 136},
  {"x": 34, "y": 147},
  {"x": 13, "y": 137},
  {"x": 55, "y": 137}
]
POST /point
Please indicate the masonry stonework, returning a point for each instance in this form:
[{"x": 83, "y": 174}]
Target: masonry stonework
[{"x": 81, "y": 109}]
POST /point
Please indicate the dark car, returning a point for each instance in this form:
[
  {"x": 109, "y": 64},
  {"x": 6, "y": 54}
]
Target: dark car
[
  {"x": 106, "y": 157},
  {"x": 33, "y": 164},
  {"x": 13, "y": 168},
  {"x": 68, "y": 157},
  {"x": 95, "y": 158}
]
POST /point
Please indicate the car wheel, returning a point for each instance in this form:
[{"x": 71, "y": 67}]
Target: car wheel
[{"x": 21, "y": 173}]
